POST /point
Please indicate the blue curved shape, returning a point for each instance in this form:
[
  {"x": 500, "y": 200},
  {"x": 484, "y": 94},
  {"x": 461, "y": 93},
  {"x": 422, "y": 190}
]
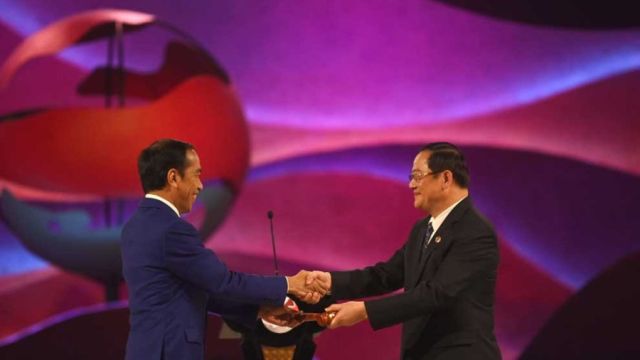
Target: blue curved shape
[{"x": 14, "y": 257}]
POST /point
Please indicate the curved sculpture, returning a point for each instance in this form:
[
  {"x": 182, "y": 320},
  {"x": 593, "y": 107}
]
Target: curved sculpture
[
  {"x": 181, "y": 62},
  {"x": 65, "y": 239},
  {"x": 94, "y": 150},
  {"x": 100, "y": 145},
  {"x": 68, "y": 240},
  {"x": 74, "y": 29}
]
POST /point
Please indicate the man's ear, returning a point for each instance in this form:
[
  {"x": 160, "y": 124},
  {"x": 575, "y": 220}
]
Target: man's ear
[
  {"x": 172, "y": 177},
  {"x": 447, "y": 176}
]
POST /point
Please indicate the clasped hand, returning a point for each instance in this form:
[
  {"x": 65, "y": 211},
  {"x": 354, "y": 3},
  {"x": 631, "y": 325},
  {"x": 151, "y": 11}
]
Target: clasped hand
[{"x": 309, "y": 286}]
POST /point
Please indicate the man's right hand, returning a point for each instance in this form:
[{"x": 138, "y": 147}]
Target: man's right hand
[
  {"x": 322, "y": 278},
  {"x": 309, "y": 291}
]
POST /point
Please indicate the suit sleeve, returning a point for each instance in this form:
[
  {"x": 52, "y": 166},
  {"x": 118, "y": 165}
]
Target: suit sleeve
[
  {"x": 379, "y": 279},
  {"x": 382, "y": 278},
  {"x": 188, "y": 259},
  {"x": 469, "y": 259}
]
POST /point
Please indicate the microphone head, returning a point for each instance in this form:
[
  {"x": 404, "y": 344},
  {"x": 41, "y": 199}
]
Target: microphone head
[{"x": 270, "y": 214}]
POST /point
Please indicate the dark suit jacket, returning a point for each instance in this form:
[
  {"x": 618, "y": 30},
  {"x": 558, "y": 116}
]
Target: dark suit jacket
[
  {"x": 173, "y": 279},
  {"x": 447, "y": 305}
]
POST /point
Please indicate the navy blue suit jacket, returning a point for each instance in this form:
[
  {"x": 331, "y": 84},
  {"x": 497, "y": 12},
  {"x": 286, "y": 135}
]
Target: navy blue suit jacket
[{"x": 173, "y": 280}]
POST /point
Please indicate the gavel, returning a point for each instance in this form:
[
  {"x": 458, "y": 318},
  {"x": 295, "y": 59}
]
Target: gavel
[{"x": 323, "y": 319}]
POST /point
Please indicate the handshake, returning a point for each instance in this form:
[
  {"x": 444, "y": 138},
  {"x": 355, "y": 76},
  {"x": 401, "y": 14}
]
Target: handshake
[{"x": 309, "y": 286}]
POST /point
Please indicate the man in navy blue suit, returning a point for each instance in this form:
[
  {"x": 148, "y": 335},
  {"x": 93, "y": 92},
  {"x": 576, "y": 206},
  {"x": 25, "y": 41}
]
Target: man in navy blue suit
[{"x": 172, "y": 278}]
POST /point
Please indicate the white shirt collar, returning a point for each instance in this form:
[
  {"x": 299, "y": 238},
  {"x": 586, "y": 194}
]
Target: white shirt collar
[
  {"x": 438, "y": 220},
  {"x": 159, "y": 198}
]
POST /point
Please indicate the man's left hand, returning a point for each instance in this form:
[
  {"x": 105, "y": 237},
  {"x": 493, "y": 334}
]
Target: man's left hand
[{"x": 278, "y": 315}]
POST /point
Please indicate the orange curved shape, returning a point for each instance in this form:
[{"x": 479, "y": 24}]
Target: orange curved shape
[
  {"x": 73, "y": 29},
  {"x": 94, "y": 151}
]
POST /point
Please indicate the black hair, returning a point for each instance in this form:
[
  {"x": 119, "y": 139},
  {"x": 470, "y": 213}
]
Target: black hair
[
  {"x": 156, "y": 160},
  {"x": 446, "y": 156}
]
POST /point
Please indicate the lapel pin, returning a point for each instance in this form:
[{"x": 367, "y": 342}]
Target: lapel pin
[{"x": 438, "y": 239}]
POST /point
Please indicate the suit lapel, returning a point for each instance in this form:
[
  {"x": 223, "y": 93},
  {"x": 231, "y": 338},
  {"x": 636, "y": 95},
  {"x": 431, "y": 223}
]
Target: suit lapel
[
  {"x": 416, "y": 249},
  {"x": 443, "y": 237}
]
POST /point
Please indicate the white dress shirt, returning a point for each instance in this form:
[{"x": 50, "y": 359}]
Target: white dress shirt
[
  {"x": 437, "y": 221},
  {"x": 159, "y": 198}
]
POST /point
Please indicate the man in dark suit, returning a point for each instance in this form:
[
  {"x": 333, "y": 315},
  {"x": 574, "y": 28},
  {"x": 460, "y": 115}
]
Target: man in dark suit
[
  {"x": 173, "y": 279},
  {"x": 447, "y": 268}
]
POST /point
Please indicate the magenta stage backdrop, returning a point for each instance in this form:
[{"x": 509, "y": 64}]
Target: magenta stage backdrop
[{"x": 338, "y": 97}]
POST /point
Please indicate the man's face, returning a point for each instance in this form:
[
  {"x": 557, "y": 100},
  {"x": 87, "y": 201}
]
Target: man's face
[
  {"x": 425, "y": 184},
  {"x": 189, "y": 185}
]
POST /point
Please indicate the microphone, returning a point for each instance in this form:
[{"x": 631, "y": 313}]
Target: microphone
[{"x": 273, "y": 242}]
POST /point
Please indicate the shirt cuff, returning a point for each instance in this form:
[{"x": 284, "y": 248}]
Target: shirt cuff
[{"x": 287, "y": 280}]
